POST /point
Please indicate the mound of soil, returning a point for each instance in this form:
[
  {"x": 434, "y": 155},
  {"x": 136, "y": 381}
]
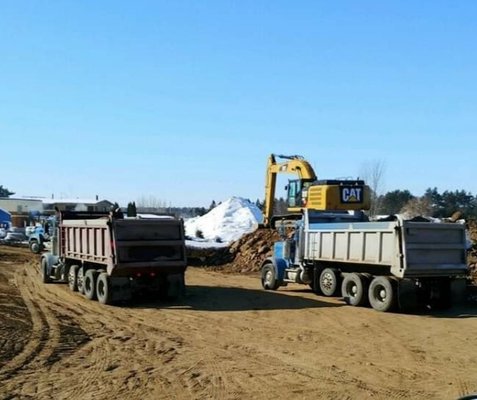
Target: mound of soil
[
  {"x": 472, "y": 255},
  {"x": 244, "y": 255}
]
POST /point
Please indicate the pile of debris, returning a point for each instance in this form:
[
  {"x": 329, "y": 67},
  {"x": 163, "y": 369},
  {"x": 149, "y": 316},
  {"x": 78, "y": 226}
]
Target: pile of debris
[
  {"x": 472, "y": 255},
  {"x": 244, "y": 255}
]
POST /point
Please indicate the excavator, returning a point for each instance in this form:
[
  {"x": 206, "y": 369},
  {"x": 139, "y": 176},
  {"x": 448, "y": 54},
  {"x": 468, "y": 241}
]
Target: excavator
[{"x": 309, "y": 192}]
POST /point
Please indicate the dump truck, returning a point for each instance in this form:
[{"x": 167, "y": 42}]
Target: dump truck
[
  {"x": 110, "y": 259},
  {"x": 39, "y": 235},
  {"x": 387, "y": 264}
]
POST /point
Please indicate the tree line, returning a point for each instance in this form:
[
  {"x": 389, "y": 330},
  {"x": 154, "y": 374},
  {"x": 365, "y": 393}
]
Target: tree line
[{"x": 432, "y": 204}]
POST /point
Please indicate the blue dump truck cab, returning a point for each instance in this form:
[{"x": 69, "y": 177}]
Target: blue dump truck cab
[{"x": 41, "y": 234}]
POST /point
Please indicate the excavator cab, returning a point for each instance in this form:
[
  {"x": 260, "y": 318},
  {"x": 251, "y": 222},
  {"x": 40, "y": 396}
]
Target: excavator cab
[{"x": 297, "y": 190}]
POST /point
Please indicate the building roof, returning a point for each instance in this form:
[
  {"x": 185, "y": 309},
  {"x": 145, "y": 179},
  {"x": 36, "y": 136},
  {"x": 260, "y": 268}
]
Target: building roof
[
  {"x": 73, "y": 201},
  {"x": 22, "y": 198}
]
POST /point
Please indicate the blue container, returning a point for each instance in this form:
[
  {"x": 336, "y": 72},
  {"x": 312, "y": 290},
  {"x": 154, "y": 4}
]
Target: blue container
[{"x": 5, "y": 219}]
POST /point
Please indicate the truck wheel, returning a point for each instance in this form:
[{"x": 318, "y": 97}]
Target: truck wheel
[
  {"x": 381, "y": 293},
  {"x": 269, "y": 277},
  {"x": 72, "y": 275},
  {"x": 35, "y": 247},
  {"x": 353, "y": 290},
  {"x": 104, "y": 289},
  {"x": 45, "y": 276},
  {"x": 80, "y": 280},
  {"x": 329, "y": 281},
  {"x": 90, "y": 284}
]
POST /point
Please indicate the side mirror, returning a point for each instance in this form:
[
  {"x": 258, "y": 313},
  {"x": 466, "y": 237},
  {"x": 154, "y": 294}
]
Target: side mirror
[{"x": 286, "y": 188}]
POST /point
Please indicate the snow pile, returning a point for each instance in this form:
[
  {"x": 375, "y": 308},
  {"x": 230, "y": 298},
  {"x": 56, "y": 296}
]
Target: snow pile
[{"x": 227, "y": 222}]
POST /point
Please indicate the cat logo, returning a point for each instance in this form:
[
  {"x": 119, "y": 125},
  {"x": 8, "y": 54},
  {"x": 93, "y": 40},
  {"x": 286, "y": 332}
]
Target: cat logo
[{"x": 351, "y": 194}]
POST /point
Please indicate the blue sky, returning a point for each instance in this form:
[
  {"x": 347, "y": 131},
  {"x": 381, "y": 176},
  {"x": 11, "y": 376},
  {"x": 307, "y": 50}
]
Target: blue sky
[{"x": 185, "y": 100}]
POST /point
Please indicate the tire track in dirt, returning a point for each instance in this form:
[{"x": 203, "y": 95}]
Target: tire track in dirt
[
  {"x": 37, "y": 341},
  {"x": 232, "y": 344},
  {"x": 53, "y": 336},
  {"x": 102, "y": 321},
  {"x": 334, "y": 374}
]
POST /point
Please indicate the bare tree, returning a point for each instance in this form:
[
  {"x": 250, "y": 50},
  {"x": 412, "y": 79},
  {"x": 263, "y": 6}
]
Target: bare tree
[
  {"x": 373, "y": 174},
  {"x": 151, "y": 203},
  {"x": 420, "y": 206}
]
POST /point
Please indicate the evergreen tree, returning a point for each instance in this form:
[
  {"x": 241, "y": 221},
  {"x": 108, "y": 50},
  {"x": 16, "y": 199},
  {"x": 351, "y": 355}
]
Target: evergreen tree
[
  {"x": 4, "y": 192},
  {"x": 131, "y": 211},
  {"x": 393, "y": 202},
  {"x": 212, "y": 205},
  {"x": 434, "y": 199},
  {"x": 446, "y": 203}
]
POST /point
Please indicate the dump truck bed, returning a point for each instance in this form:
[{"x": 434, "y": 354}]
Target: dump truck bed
[
  {"x": 409, "y": 249},
  {"x": 125, "y": 246}
]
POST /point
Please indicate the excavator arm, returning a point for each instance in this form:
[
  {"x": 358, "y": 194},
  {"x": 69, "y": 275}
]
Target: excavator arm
[{"x": 292, "y": 165}]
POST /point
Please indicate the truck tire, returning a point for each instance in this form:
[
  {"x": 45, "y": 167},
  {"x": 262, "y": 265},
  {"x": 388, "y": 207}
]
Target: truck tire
[
  {"x": 354, "y": 289},
  {"x": 90, "y": 284},
  {"x": 35, "y": 247},
  {"x": 329, "y": 284},
  {"x": 45, "y": 276},
  {"x": 72, "y": 276},
  {"x": 80, "y": 280},
  {"x": 104, "y": 289},
  {"x": 382, "y": 294},
  {"x": 269, "y": 277}
]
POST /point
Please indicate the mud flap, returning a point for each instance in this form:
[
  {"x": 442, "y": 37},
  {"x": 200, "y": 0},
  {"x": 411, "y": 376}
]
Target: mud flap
[
  {"x": 407, "y": 294},
  {"x": 121, "y": 289},
  {"x": 458, "y": 291},
  {"x": 175, "y": 286}
]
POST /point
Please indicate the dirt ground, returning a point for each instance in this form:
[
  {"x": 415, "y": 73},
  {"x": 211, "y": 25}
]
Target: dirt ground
[{"x": 227, "y": 339}]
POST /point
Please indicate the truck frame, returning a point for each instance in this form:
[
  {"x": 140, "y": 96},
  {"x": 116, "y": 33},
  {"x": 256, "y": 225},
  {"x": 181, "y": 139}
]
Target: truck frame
[
  {"x": 110, "y": 259},
  {"x": 386, "y": 264}
]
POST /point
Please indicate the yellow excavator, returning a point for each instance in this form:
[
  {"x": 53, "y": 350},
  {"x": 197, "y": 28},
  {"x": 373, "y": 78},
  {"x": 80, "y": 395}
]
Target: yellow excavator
[{"x": 309, "y": 192}]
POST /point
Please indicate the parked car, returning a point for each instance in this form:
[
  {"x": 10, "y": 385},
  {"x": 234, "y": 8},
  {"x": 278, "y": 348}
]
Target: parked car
[{"x": 15, "y": 237}]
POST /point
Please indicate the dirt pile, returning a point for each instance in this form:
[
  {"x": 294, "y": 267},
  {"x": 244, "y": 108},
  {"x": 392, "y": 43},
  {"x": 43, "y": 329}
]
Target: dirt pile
[
  {"x": 244, "y": 255},
  {"x": 472, "y": 255},
  {"x": 249, "y": 252}
]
